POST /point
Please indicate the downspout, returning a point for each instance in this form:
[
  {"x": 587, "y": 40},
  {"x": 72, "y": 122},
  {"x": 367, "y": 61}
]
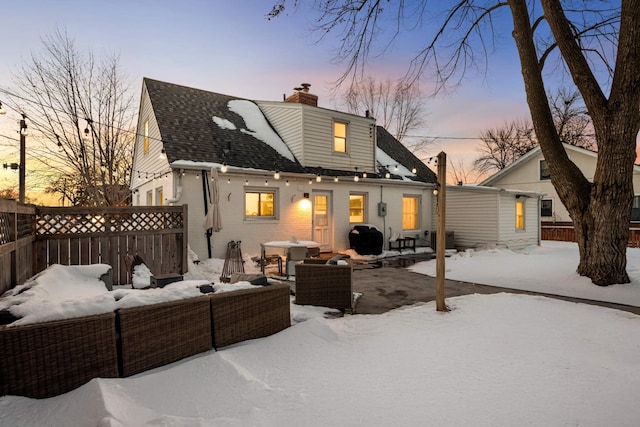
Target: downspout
[
  {"x": 539, "y": 221},
  {"x": 205, "y": 194},
  {"x": 178, "y": 190}
]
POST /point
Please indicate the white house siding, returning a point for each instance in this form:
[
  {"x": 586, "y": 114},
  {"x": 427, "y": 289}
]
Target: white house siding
[
  {"x": 286, "y": 119},
  {"x": 526, "y": 176},
  {"x": 294, "y": 217},
  {"x": 484, "y": 217},
  {"x": 472, "y": 216},
  {"x": 317, "y": 135},
  {"x": 511, "y": 238},
  {"x": 147, "y": 169}
]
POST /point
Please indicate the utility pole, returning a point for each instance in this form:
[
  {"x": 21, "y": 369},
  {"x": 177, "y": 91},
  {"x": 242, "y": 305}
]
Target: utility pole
[
  {"x": 441, "y": 231},
  {"x": 22, "y": 171}
]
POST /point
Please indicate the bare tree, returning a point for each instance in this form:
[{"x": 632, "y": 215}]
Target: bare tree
[
  {"x": 595, "y": 43},
  {"x": 571, "y": 119},
  {"x": 83, "y": 111},
  {"x": 502, "y": 146},
  {"x": 397, "y": 106},
  {"x": 460, "y": 173}
]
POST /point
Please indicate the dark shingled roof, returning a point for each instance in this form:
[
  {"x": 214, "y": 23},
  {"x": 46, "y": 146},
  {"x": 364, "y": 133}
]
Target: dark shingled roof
[
  {"x": 185, "y": 119},
  {"x": 394, "y": 148}
]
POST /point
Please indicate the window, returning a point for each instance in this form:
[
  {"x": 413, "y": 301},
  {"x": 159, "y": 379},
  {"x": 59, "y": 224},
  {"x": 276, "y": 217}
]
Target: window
[
  {"x": 146, "y": 137},
  {"x": 519, "y": 214},
  {"x": 635, "y": 209},
  {"x": 356, "y": 208},
  {"x": 159, "y": 196},
  {"x": 544, "y": 170},
  {"x": 149, "y": 198},
  {"x": 410, "y": 210},
  {"x": 339, "y": 137},
  {"x": 546, "y": 207},
  {"x": 260, "y": 204}
]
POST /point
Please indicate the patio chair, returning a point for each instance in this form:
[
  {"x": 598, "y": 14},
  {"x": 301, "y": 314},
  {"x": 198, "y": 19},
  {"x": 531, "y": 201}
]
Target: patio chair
[
  {"x": 314, "y": 252},
  {"x": 295, "y": 255},
  {"x": 269, "y": 259},
  {"x": 324, "y": 285}
]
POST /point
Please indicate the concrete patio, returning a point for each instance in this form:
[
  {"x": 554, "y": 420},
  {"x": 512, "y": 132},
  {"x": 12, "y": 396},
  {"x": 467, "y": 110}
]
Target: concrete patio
[{"x": 387, "y": 284}]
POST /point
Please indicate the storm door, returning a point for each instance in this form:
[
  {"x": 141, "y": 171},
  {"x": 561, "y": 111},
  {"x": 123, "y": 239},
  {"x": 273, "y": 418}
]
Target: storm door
[{"x": 322, "y": 220}]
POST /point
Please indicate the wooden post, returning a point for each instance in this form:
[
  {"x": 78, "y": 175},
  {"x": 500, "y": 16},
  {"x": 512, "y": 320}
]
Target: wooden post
[
  {"x": 23, "y": 162},
  {"x": 441, "y": 231}
]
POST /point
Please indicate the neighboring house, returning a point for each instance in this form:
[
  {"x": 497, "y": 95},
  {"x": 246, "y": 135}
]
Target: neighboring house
[
  {"x": 486, "y": 217},
  {"x": 530, "y": 173},
  {"x": 284, "y": 169}
]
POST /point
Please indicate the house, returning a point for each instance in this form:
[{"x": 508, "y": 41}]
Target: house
[
  {"x": 277, "y": 169},
  {"x": 486, "y": 217},
  {"x": 530, "y": 173}
]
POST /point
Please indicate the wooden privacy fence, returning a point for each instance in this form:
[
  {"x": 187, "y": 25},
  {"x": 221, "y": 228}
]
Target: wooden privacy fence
[
  {"x": 563, "y": 231},
  {"x": 16, "y": 243},
  {"x": 33, "y": 238},
  {"x": 81, "y": 236}
]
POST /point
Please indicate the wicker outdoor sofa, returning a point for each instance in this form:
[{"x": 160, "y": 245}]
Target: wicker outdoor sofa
[{"x": 50, "y": 358}]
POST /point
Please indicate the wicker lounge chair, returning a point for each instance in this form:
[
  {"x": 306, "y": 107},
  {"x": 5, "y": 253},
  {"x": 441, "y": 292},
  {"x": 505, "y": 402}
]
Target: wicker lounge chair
[{"x": 321, "y": 284}]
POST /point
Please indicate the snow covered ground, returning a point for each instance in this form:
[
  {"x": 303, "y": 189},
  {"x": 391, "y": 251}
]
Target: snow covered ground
[{"x": 493, "y": 360}]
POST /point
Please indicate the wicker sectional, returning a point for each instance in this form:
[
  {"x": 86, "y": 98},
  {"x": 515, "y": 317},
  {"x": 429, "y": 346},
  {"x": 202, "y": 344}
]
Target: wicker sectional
[
  {"x": 47, "y": 359},
  {"x": 249, "y": 314},
  {"x": 159, "y": 334}
]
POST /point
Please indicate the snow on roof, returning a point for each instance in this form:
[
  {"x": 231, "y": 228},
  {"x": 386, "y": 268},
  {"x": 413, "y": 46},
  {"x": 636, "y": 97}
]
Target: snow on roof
[
  {"x": 223, "y": 123},
  {"x": 259, "y": 127},
  {"x": 385, "y": 159}
]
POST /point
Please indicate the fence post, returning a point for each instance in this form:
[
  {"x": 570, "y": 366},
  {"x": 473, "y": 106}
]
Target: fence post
[{"x": 185, "y": 240}]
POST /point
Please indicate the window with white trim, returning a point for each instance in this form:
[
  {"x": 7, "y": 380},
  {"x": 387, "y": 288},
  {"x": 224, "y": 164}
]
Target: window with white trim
[
  {"x": 410, "y": 212},
  {"x": 339, "y": 137},
  {"x": 357, "y": 208},
  {"x": 635, "y": 209},
  {"x": 546, "y": 207},
  {"x": 544, "y": 171},
  {"x": 260, "y": 203},
  {"x": 519, "y": 214},
  {"x": 146, "y": 137}
]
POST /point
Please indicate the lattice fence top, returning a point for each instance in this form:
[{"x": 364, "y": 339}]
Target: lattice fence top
[
  {"x": 5, "y": 228},
  {"x": 110, "y": 222}
]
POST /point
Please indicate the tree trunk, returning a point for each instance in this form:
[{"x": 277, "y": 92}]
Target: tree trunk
[
  {"x": 600, "y": 210},
  {"x": 602, "y": 231}
]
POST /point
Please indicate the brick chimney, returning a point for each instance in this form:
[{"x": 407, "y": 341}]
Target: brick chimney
[{"x": 302, "y": 96}]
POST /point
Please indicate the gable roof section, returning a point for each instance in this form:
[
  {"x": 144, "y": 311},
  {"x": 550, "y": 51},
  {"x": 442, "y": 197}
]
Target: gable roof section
[
  {"x": 532, "y": 153},
  {"x": 198, "y": 125},
  {"x": 398, "y": 152}
]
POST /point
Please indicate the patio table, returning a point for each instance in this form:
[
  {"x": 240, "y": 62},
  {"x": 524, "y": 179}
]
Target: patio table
[{"x": 284, "y": 244}]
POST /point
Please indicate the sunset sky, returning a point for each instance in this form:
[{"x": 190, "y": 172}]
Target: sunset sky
[{"x": 232, "y": 48}]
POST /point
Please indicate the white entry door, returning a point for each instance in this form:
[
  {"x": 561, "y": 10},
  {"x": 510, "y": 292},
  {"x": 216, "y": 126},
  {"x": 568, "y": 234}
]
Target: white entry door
[{"x": 322, "y": 220}]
